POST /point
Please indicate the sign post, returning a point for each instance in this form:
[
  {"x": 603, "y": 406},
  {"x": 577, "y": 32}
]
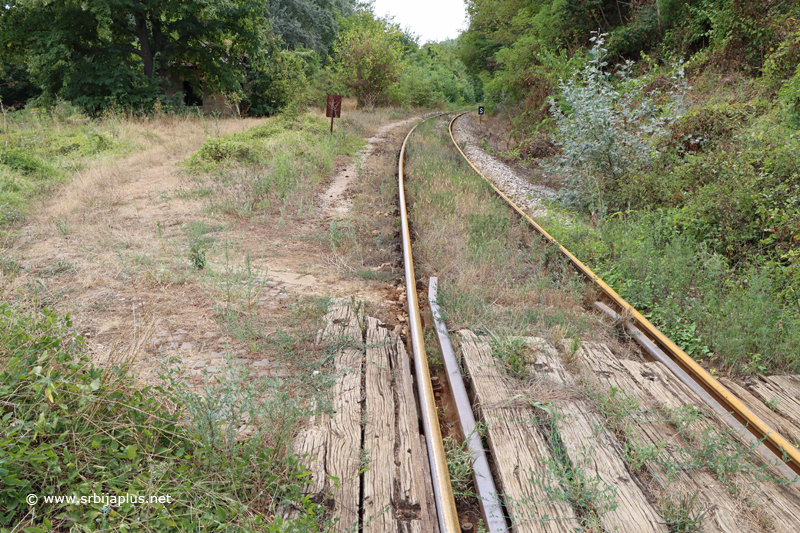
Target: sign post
[
  {"x": 481, "y": 111},
  {"x": 333, "y": 107}
]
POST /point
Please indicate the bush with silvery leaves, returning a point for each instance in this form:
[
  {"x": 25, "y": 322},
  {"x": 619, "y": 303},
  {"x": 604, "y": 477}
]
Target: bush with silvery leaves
[{"x": 606, "y": 128}]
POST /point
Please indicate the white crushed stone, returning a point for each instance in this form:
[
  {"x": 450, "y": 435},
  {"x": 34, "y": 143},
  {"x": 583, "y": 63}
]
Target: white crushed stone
[{"x": 517, "y": 187}]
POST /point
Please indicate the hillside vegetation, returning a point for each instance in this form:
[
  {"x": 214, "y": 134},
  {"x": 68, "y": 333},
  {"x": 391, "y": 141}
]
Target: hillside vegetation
[{"x": 675, "y": 130}]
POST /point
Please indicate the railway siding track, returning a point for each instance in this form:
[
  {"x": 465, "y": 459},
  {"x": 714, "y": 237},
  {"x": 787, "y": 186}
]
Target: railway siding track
[{"x": 777, "y": 444}]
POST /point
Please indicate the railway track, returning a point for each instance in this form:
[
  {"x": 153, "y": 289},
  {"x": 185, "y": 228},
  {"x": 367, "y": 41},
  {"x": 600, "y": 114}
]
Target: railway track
[
  {"x": 549, "y": 453},
  {"x": 765, "y": 441}
]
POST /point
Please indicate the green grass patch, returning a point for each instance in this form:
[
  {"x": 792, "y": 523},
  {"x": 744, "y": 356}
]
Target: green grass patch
[
  {"x": 495, "y": 272},
  {"x": 272, "y": 168},
  {"x": 43, "y": 150},
  {"x": 728, "y": 315}
]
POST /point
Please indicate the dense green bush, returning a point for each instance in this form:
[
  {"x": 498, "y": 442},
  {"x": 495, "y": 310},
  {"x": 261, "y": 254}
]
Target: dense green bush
[
  {"x": 278, "y": 85},
  {"x": 434, "y": 75}
]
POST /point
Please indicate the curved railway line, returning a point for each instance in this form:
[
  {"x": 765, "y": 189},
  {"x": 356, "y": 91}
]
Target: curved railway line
[
  {"x": 772, "y": 446},
  {"x": 378, "y": 461}
]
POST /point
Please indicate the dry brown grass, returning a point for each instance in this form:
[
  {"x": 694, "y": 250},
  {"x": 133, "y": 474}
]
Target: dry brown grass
[
  {"x": 112, "y": 246},
  {"x": 495, "y": 272}
]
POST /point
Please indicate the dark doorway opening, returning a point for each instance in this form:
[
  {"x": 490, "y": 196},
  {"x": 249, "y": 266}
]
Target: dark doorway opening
[{"x": 190, "y": 98}]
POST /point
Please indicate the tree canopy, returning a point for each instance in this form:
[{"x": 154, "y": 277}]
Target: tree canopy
[
  {"x": 102, "y": 53},
  {"x": 369, "y": 53},
  {"x": 312, "y": 24}
]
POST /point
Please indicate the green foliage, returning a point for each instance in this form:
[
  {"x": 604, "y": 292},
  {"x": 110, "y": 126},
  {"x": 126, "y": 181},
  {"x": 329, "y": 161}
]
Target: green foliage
[
  {"x": 459, "y": 466},
  {"x": 735, "y": 317},
  {"x": 42, "y": 149},
  {"x": 310, "y": 24},
  {"x": 101, "y": 55},
  {"x": 278, "y": 84},
  {"x": 434, "y": 75},
  {"x": 790, "y": 96},
  {"x": 604, "y": 129},
  {"x": 16, "y": 87},
  {"x": 71, "y": 429},
  {"x": 682, "y": 514},
  {"x": 369, "y": 52},
  {"x": 197, "y": 255}
]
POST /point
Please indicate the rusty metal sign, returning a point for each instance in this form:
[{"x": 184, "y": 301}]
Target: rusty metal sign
[{"x": 333, "y": 109}]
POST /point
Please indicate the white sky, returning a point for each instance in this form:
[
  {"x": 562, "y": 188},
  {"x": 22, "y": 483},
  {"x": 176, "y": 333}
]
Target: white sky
[{"x": 431, "y": 20}]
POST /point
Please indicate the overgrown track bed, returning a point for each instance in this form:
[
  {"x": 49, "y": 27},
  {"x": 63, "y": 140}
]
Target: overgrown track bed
[
  {"x": 584, "y": 432},
  {"x": 717, "y": 392}
]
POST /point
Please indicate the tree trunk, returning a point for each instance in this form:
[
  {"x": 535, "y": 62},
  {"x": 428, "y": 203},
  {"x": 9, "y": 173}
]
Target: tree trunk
[
  {"x": 158, "y": 45},
  {"x": 144, "y": 40}
]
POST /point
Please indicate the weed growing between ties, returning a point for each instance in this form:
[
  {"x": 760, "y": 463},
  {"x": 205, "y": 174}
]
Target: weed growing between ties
[
  {"x": 222, "y": 456},
  {"x": 512, "y": 353},
  {"x": 494, "y": 272},
  {"x": 682, "y": 515},
  {"x": 459, "y": 466},
  {"x": 700, "y": 446},
  {"x": 591, "y": 497}
]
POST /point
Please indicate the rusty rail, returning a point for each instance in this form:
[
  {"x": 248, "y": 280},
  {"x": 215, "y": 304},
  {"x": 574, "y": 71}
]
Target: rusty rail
[
  {"x": 774, "y": 441},
  {"x": 442, "y": 487}
]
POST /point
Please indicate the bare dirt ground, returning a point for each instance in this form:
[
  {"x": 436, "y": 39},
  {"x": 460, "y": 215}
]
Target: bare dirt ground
[
  {"x": 334, "y": 201},
  {"x": 112, "y": 248}
]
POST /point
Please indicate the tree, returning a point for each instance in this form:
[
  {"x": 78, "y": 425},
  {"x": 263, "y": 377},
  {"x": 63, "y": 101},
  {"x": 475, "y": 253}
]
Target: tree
[
  {"x": 435, "y": 74},
  {"x": 370, "y": 51},
  {"x": 101, "y": 53},
  {"x": 15, "y": 86},
  {"x": 312, "y": 24}
]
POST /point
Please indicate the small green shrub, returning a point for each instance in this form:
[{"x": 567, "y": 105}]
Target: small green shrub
[
  {"x": 74, "y": 430},
  {"x": 197, "y": 255},
  {"x": 682, "y": 514},
  {"x": 26, "y": 162},
  {"x": 512, "y": 353},
  {"x": 220, "y": 150},
  {"x": 702, "y": 128},
  {"x": 605, "y": 129}
]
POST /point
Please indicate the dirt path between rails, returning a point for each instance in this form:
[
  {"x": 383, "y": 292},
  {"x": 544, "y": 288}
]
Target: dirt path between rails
[
  {"x": 113, "y": 248},
  {"x": 334, "y": 201}
]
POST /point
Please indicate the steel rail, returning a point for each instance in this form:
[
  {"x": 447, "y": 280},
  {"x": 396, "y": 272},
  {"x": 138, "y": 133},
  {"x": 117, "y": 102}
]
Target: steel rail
[
  {"x": 442, "y": 487},
  {"x": 488, "y": 496},
  {"x": 774, "y": 441}
]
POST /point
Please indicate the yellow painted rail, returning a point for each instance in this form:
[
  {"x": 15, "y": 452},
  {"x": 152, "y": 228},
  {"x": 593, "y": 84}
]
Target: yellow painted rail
[{"x": 776, "y": 443}]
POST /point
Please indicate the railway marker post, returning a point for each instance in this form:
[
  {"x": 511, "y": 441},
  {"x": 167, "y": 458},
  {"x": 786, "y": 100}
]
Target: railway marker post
[
  {"x": 333, "y": 107},
  {"x": 481, "y": 111}
]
